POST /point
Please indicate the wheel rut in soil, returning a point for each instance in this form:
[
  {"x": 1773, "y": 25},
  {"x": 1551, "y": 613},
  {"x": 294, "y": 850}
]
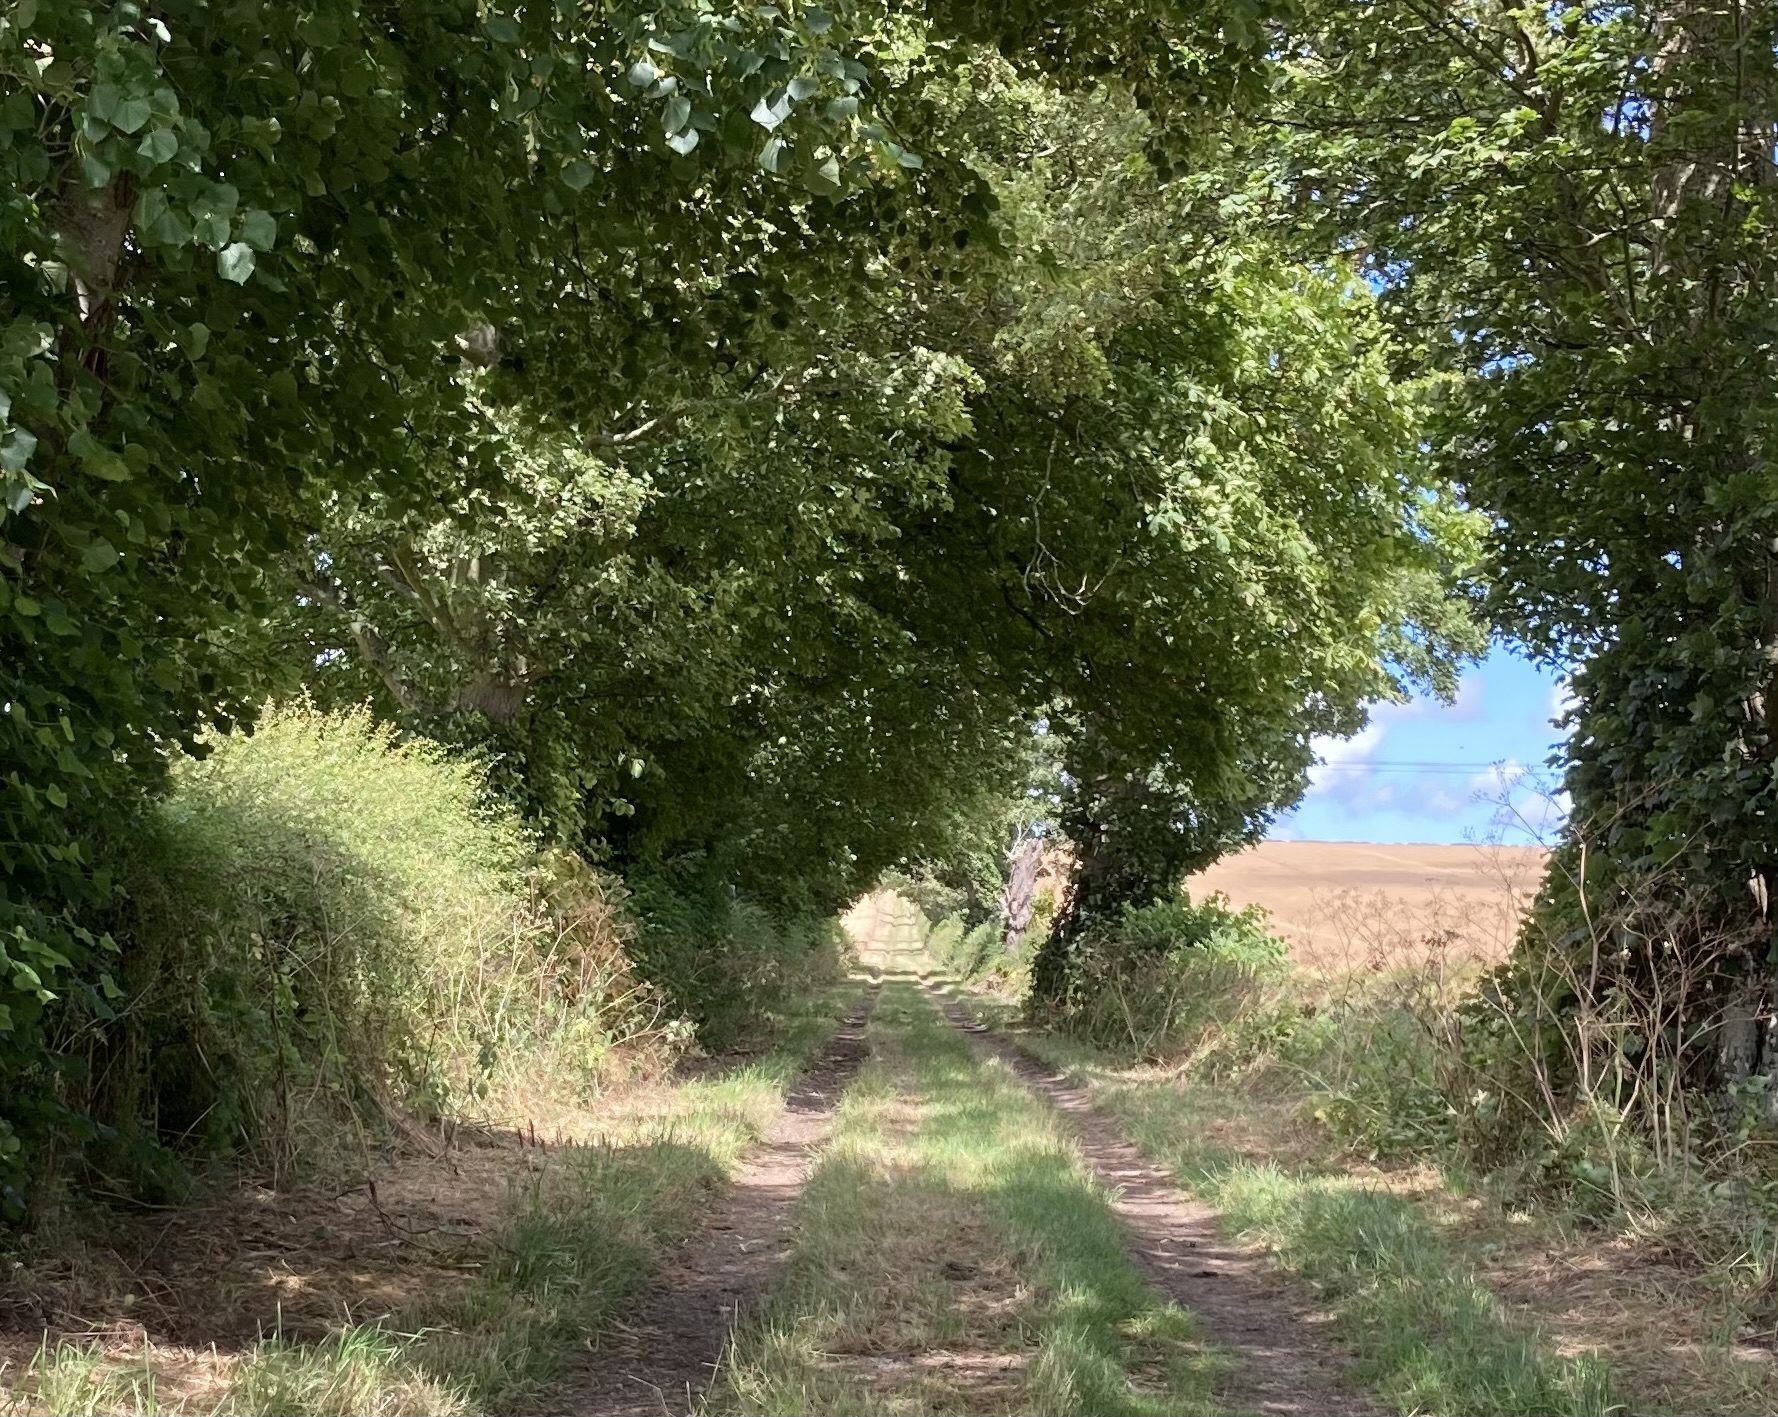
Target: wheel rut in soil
[
  {"x": 1286, "y": 1363},
  {"x": 660, "y": 1358}
]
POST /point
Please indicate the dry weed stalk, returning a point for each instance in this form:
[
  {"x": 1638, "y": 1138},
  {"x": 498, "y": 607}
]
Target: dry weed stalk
[{"x": 1605, "y": 1024}]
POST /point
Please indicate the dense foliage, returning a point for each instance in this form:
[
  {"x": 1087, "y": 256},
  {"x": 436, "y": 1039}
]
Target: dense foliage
[
  {"x": 298, "y": 978},
  {"x": 734, "y": 426},
  {"x": 1571, "y": 211}
]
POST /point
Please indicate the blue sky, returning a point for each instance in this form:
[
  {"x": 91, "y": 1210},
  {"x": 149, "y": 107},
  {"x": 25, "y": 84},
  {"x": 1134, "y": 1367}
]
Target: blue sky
[{"x": 1471, "y": 771}]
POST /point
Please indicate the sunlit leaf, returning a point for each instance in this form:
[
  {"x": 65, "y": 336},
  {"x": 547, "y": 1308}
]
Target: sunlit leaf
[{"x": 235, "y": 261}]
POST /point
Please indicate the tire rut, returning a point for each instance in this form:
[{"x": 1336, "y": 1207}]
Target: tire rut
[
  {"x": 1288, "y": 1364},
  {"x": 661, "y": 1357}
]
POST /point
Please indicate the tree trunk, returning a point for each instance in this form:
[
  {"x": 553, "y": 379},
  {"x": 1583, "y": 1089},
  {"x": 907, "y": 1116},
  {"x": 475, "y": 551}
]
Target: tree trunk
[{"x": 1018, "y": 900}]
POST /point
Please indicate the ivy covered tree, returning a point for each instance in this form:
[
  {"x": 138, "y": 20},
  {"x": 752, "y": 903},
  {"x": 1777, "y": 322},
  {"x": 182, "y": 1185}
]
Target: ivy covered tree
[{"x": 1570, "y": 210}]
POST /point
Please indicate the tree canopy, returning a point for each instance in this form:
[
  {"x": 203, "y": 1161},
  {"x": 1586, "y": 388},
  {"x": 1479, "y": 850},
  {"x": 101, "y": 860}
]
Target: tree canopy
[{"x": 738, "y": 423}]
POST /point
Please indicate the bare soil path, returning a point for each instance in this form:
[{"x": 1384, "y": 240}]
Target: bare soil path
[
  {"x": 661, "y": 1358},
  {"x": 1289, "y": 1363}
]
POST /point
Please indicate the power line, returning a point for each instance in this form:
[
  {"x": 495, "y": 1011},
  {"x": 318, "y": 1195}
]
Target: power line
[{"x": 1388, "y": 765}]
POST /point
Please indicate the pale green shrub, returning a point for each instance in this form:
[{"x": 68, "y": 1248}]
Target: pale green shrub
[
  {"x": 1173, "y": 978},
  {"x": 331, "y": 929}
]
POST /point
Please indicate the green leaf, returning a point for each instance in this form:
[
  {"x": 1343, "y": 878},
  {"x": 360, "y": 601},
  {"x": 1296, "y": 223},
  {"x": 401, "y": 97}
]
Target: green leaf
[
  {"x": 259, "y": 229},
  {"x": 772, "y": 109},
  {"x": 100, "y": 555},
  {"x": 17, "y": 111},
  {"x": 684, "y": 142},
  {"x": 130, "y": 115},
  {"x": 817, "y": 20},
  {"x": 235, "y": 262},
  {"x": 56, "y": 795},
  {"x": 26, "y": 606},
  {"x": 162, "y": 145},
  {"x": 578, "y": 174},
  {"x": 97, "y": 459},
  {"x": 102, "y": 101},
  {"x": 16, "y": 451},
  {"x": 841, "y": 109},
  {"x": 171, "y": 229},
  {"x": 642, "y": 73},
  {"x": 775, "y": 156},
  {"x": 94, "y": 170},
  {"x": 826, "y": 177},
  {"x": 502, "y": 29},
  {"x": 675, "y": 114}
]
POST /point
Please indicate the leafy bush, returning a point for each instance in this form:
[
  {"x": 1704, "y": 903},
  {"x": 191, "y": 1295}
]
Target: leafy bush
[
  {"x": 944, "y": 940},
  {"x": 983, "y": 950},
  {"x": 1170, "y": 977},
  {"x": 976, "y": 953},
  {"x": 1380, "y": 1078},
  {"x": 729, "y": 964},
  {"x": 328, "y": 929}
]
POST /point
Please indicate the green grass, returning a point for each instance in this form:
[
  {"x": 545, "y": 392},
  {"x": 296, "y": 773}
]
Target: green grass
[
  {"x": 75, "y": 1379},
  {"x": 952, "y": 1216},
  {"x": 1431, "y": 1335},
  {"x": 584, "y": 1241},
  {"x": 580, "y": 1239},
  {"x": 356, "y": 1370}
]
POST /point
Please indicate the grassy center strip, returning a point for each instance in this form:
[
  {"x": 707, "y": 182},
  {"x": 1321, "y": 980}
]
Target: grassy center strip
[{"x": 954, "y": 1255}]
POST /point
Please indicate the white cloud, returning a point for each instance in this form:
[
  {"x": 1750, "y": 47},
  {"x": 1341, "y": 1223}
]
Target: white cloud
[
  {"x": 1469, "y": 704},
  {"x": 1346, "y": 753},
  {"x": 1344, "y": 773},
  {"x": 1500, "y": 779},
  {"x": 1442, "y": 802}
]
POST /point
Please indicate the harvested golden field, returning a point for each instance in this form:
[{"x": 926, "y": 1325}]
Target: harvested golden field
[{"x": 1346, "y": 905}]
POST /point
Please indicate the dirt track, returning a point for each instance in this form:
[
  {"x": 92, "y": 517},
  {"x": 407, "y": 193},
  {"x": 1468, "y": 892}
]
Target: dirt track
[
  {"x": 661, "y": 1358},
  {"x": 1286, "y": 1367}
]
